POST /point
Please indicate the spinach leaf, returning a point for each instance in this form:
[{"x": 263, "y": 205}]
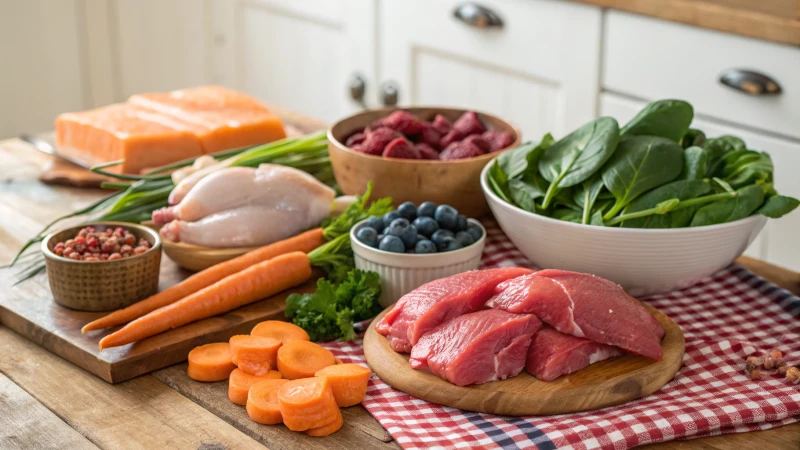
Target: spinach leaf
[
  {"x": 747, "y": 200},
  {"x": 567, "y": 215},
  {"x": 681, "y": 190},
  {"x": 586, "y": 195},
  {"x": 576, "y": 157},
  {"x": 717, "y": 148},
  {"x": 498, "y": 181},
  {"x": 695, "y": 163},
  {"x": 597, "y": 218},
  {"x": 669, "y": 119},
  {"x": 778, "y": 206},
  {"x": 742, "y": 167},
  {"x": 516, "y": 161},
  {"x": 640, "y": 163},
  {"x": 693, "y": 137},
  {"x": 526, "y": 193}
]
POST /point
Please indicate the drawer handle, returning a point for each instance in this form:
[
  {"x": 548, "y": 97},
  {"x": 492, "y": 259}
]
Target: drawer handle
[
  {"x": 358, "y": 87},
  {"x": 477, "y": 16},
  {"x": 750, "y": 82},
  {"x": 389, "y": 93}
]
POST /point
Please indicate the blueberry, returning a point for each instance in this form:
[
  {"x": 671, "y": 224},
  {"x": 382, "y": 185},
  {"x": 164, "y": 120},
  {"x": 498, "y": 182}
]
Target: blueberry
[
  {"x": 389, "y": 217},
  {"x": 427, "y": 209},
  {"x": 409, "y": 238},
  {"x": 408, "y": 210},
  {"x": 392, "y": 244},
  {"x": 376, "y": 223},
  {"x": 449, "y": 244},
  {"x": 464, "y": 238},
  {"x": 368, "y": 235},
  {"x": 475, "y": 231},
  {"x": 439, "y": 236},
  {"x": 400, "y": 222},
  {"x": 447, "y": 216},
  {"x": 425, "y": 246},
  {"x": 426, "y": 225},
  {"x": 421, "y": 237},
  {"x": 462, "y": 223}
]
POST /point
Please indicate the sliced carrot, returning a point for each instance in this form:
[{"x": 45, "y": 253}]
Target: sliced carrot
[
  {"x": 338, "y": 361},
  {"x": 240, "y": 382},
  {"x": 307, "y": 403},
  {"x": 254, "y": 354},
  {"x": 257, "y": 282},
  {"x": 262, "y": 401},
  {"x": 330, "y": 428},
  {"x": 348, "y": 382},
  {"x": 280, "y": 330},
  {"x": 304, "y": 242},
  {"x": 302, "y": 359},
  {"x": 210, "y": 362}
]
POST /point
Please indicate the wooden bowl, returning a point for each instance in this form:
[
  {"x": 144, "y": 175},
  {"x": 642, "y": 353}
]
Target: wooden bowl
[
  {"x": 197, "y": 258},
  {"x": 102, "y": 285},
  {"x": 454, "y": 182}
]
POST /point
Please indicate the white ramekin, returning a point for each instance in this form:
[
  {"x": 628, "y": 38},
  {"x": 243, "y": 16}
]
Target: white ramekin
[{"x": 401, "y": 273}]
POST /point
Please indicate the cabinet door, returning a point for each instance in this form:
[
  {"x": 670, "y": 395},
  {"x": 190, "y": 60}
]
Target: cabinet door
[
  {"x": 778, "y": 242},
  {"x": 539, "y": 69},
  {"x": 299, "y": 55}
]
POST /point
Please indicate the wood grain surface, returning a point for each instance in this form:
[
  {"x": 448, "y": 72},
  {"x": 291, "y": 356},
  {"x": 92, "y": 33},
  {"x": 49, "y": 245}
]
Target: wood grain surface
[{"x": 611, "y": 382}]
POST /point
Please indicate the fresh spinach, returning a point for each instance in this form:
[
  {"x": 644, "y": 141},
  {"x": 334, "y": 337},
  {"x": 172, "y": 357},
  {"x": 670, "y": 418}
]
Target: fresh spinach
[
  {"x": 639, "y": 164},
  {"x": 516, "y": 161},
  {"x": 567, "y": 215},
  {"x": 747, "y": 200},
  {"x": 576, "y": 157},
  {"x": 526, "y": 193},
  {"x": 742, "y": 167},
  {"x": 586, "y": 195},
  {"x": 717, "y": 148},
  {"x": 778, "y": 206},
  {"x": 695, "y": 163},
  {"x": 669, "y": 119},
  {"x": 693, "y": 137},
  {"x": 681, "y": 190},
  {"x": 498, "y": 181}
]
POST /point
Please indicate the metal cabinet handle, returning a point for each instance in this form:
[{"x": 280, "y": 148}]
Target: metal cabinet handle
[
  {"x": 358, "y": 87},
  {"x": 389, "y": 93},
  {"x": 749, "y": 82},
  {"x": 477, "y": 16}
]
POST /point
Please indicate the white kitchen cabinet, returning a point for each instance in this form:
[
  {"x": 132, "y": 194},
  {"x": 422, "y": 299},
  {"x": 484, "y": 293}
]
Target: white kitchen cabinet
[
  {"x": 778, "y": 242},
  {"x": 540, "y": 69}
]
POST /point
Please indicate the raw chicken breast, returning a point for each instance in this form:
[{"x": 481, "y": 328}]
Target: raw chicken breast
[
  {"x": 433, "y": 303},
  {"x": 477, "y": 348},
  {"x": 244, "y": 207},
  {"x": 553, "y": 353},
  {"x": 584, "y": 305}
]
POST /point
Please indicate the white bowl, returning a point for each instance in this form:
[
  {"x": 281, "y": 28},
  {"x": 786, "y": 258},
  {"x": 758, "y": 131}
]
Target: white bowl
[
  {"x": 401, "y": 273},
  {"x": 643, "y": 261}
]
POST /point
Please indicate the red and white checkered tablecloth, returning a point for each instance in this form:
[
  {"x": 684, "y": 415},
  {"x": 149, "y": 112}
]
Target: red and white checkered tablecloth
[{"x": 725, "y": 318}]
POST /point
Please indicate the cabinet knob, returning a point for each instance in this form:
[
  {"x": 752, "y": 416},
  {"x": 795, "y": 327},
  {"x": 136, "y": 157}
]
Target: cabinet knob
[
  {"x": 750, "y": 82},
  {"x": 477, "y": 16},
  {"x": 389, "y": 93},
  {"x": 358, "y": 87}
]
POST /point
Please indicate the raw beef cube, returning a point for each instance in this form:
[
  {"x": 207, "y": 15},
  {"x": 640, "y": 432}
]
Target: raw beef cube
[
  {"x": 476, "y": 348},
  {"x": 469, "y": 123},
  {"x": 401, "y": 148},
  {"x": 433, "y": 303},
  {"x": 479, "y": 141},
  {"x": 400, "y": 121},
  {"x": 498, "y": 139},
  {"x": 355, "y": 139},
  {"x": 441, "y": 124},
  {"x": 584, "y": 305},
  {"x": 426, "y": 152},
  {"x": 461, "y": 150},
  {"x": 452, "y": 136},
  {"x": 377, "y": 140},
  {"x": 553, "y": 353},
  {"x": 429, "y": 136}
]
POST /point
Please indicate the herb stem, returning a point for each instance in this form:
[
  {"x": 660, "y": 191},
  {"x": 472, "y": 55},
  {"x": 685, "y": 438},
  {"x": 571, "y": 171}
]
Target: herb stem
[{"x": 681, "y": 205}]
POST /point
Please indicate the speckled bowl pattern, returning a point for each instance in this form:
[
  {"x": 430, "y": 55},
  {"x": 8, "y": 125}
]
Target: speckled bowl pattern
[
  {"x": 102, "y": 285},
  {"x": 401, "y": 273}
]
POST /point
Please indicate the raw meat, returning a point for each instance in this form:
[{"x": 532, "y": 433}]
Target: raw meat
[
  {"x": 475, "y": 348},
  {"x": 461, "y": 150},
  {"x": 553, "y": 353},
  {"x": 245, "y": 207},
  {"x": 401, "y": 148},
  {"x": 438, "y": 301},
  {"x": 584, "y": 305}
]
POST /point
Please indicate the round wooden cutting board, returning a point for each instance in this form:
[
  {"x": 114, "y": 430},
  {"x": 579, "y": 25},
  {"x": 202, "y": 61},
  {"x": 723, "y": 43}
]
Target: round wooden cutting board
[{"x": 607, "y": 383}]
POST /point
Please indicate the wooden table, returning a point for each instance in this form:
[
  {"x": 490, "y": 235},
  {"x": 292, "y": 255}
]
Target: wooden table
[{"x": 46, "y": 402}]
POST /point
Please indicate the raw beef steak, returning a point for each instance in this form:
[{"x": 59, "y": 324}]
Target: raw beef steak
[{"x": 553, "y": 353}]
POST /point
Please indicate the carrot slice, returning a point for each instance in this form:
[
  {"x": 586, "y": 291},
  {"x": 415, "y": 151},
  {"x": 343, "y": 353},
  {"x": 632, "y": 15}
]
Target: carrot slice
[
  {"x": 327, "y": 429},
  {"x": 254, "y": 354},
  {"x": 338, "y": 361},
  {"x": 252, "y": 284},
  {"x": 262, "y": 401},
  {"x": 210, "y": 362},
  {"x": 304, "y": 242},
  {"x": 307, "y": 403},
  {"x": 240, "y": 382},
  {"x": 348, "y": 382},
  {"x": 302, "y": 359},
  {"x": 280, "y": 330}
]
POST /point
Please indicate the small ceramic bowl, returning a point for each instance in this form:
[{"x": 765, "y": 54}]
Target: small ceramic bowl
[
  {"x": 455, "y": 183},
  {"x": 196, "y": 258},
  {"x": 102, "y": 285},
  {"x": 401, "y": 273}
]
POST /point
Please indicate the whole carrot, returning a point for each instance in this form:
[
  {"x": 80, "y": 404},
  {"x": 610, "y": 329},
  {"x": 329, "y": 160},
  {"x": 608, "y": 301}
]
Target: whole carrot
[
  {"x": 304, "y": 242},
  {"x": 257, "y": 282}
]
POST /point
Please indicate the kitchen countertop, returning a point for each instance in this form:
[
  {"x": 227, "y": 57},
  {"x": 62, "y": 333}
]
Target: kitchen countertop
[
  {"x": 771, "y": 20},
  {"x": 49, "y": 403}
]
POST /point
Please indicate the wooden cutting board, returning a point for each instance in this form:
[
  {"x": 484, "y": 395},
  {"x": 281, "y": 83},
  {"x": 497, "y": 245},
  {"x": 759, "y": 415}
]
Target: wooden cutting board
[
  {"x": 29, "y": 309},
  {"x": 607, "y": 383}
]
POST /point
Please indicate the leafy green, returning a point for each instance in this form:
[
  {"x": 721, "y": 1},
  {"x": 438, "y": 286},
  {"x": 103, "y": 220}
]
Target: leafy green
[
  {"x": 695, "y": 164},
  {"x": 778, "y": 206},
  {"x": 567, "y": 214},
  {"x": 329, "y": 312},
  {"x": 669, "y": 119},
  {"x": 525, "y": 193},
  {"x": 680, "y": 190},
  {"x": 575, "y": 158},
  {"x": 640, "y": 163},
  {"x": 517, "y": 161},
  {"x": 717, "y": 148},
  {"x": 693, "y": 138},
  {"x": 356, "y": 212},
  {"x": 742, "y": 167},
  {"x": 747, "y": 200},
  {"x": 498, "y": 180},
  {"x": 586, "y": 195}
]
